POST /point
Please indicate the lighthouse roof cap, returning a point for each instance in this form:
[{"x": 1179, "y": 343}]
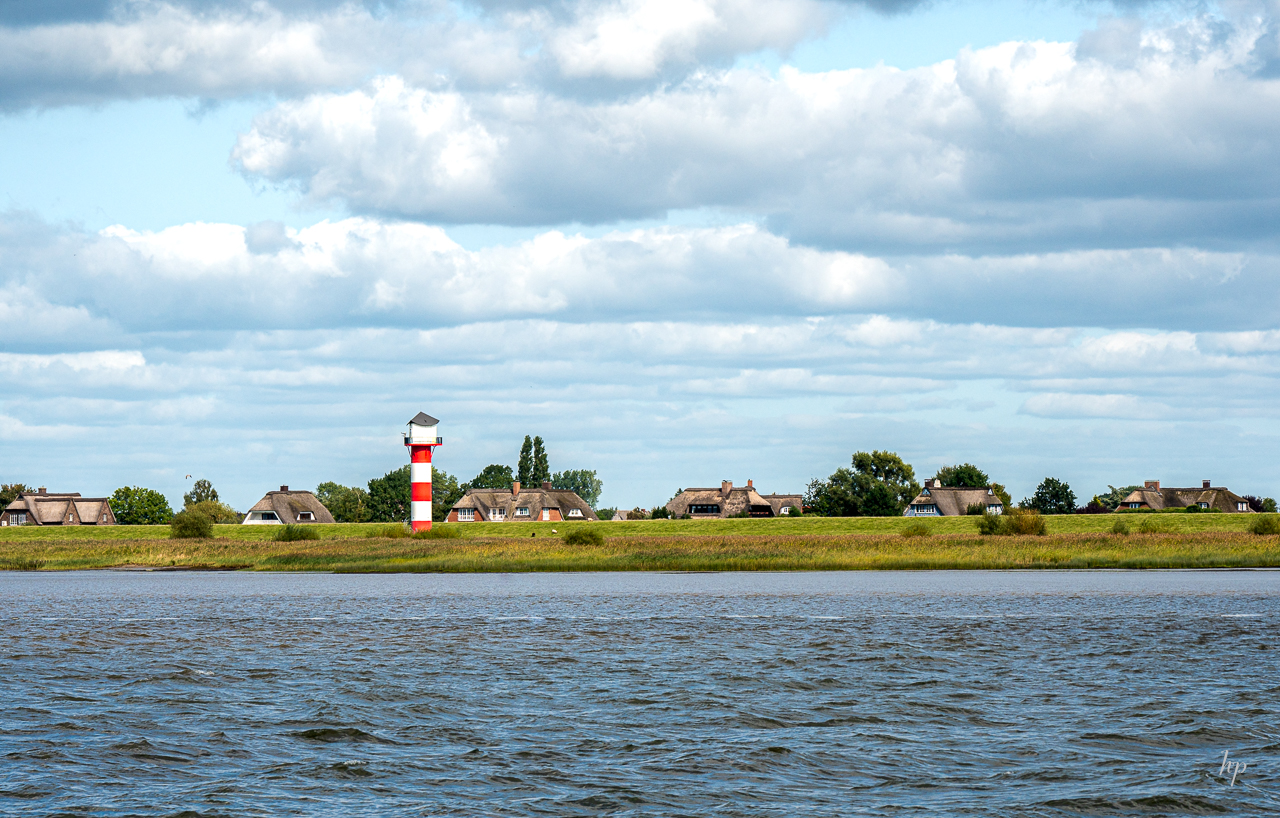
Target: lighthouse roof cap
[{"x": 422, "y": 419}]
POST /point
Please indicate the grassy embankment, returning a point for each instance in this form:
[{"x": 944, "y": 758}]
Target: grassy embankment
[{"x": 1186, "y": 541}]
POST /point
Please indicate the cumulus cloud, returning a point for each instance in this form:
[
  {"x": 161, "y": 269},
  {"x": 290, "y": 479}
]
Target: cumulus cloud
[
  {"x": 1020, "y": 146},
  {"x": 68, "y": 53},
  {"x": 69, "y": 284}
]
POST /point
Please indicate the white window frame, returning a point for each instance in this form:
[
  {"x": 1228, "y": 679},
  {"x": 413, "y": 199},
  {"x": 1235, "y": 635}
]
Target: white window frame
[
  {"x": 308, "y": 516},
  {"x": 466, "y": 515},
  {"x": 575, "y": 512},
  {"x": 497, "y": 515},
  {"x": 1242, "y": 506},
  {"x": 522, "y": 511},
  {"x": 785, "y": 510},
  {"x": 1203, "y": 505}
]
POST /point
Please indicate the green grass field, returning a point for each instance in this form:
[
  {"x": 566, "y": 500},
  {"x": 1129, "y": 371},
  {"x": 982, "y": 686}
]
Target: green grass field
[{"x": 810, "y": 543}]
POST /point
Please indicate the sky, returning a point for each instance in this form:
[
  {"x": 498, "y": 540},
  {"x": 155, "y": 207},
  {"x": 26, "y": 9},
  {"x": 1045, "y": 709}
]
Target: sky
[{"x": 684, "y": 242}]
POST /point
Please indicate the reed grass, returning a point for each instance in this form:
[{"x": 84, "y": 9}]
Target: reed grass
[{"x": 705, "y": 552}]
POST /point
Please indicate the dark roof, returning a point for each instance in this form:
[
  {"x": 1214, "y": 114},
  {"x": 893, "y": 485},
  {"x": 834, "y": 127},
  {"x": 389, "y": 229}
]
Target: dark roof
[{"x": 423, "y": 419}]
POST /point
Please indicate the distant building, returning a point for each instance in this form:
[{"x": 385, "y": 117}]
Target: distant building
[
  {"x": 1207, "y": 496},
  {"x": 284, "y": 506},
  {"x": 519, "y": 504},
  {"x": 730, "y": 501},
  {"x": 937, "y": 500},
  {"x": 42, "y": 508}
]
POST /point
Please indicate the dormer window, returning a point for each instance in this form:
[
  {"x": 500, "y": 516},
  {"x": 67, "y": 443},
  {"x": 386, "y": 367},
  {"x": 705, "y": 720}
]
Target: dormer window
[
  {"x": 306, "y": 516},
  {"x": 1242, "y": 506},
  {"x": 575, "y": 512},
  {"x": 523, "y": 511},
  {"x": 925, "y": 492},
  {"x": 1203, "y": 505},
  {"x": 785, "y": 510}
]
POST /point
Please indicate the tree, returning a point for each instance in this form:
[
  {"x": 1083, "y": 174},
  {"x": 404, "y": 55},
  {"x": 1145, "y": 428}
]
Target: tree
[
  {"x": 1261, "y": 504},
  {"x": 216, "y": 512},
  {"x": 581, "y": 481},
  {"x": 445, "y": 493},
  {"x": 347, "y": 504},
  {"x": 202, "y": 490},
  {"x": 965, "y": 475},
  {"x": 524, "y": 468},
  {"x": 492, "y": 476},
  {"x": 879, "y": 485},
  {"x": 1052, "y": 497},
  {"x": 10, "y": 491},
  {"x": 138, "y": 506},
  {"x": 541, "y": 469},
  {"x": 389, "y": 496}
]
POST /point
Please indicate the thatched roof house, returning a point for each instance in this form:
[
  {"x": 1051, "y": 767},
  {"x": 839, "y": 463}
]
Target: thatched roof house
[
  {"x": 1207, "y": 496},
  {"x": 730, "y": 500},
  {"x": 284, "y": 506},
  {"x": 42, "y": 508},
  {"x": 937, "y": 500},
  {"x": 519, "y": 504}
]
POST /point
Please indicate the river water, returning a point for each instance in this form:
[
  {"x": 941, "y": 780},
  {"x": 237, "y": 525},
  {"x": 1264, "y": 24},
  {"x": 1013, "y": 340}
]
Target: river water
[{"x": 797, "y": 694}]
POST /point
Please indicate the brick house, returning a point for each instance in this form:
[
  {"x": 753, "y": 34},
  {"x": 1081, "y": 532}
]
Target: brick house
[
  {"x": 519, "y": 504},
  {"x": 39, "y": 507},
  {"x": 1151, "y": 496}
]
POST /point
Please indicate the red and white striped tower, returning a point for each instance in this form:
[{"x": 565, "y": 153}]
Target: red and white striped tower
[{"x": 421, "y": 439}]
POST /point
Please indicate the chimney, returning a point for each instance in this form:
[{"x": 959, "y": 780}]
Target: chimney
[
  {"x": 726, "y": 486},
  {"x": 43, "y": 490},
  {"x": 1152, "y": 485},
  {"x": 515, "y": 487},
  {"x": 284, "y": 488},
  {"x": 1206, "y": 483},
  {"x": 749, "y": 483},
  {"x": 546, "y": 485}
]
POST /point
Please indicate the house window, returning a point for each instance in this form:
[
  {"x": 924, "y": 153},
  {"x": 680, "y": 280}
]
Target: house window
[
  {"x": 546, "y": 513},
  {"x": 785, "y": 510},
  {"x": 466, "y": 515},
  {"x": 18, "y": 519},
  {"x": 575, "y": 512},
  {"x": 523, "y": 511},
  {"x": 926, "y": 509},
  {"x": 497, "y": 515},
  {"x": 1135, "y": 505},
  {"x": 1203, "y": 505},
  {"x": 104, "y": 518},
  {"x": 1242, "y": 506},
  {"x": 995, "y": 509},
  {"x": 926, "y": 493},
  {"x": 712, "y": 508},
  {"x": 306, "y": 516},
  {"x": 266, "y": 515}
]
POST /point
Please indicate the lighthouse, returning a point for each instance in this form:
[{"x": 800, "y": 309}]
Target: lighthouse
[{"x": 421, "y": 439}]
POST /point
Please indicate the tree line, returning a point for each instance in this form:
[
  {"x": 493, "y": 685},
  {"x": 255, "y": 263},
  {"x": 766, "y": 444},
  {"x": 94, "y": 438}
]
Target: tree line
[{"x": 881, "y": 484}]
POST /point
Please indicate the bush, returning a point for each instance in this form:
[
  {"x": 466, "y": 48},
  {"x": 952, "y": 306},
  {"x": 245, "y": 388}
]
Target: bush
[
  {"x": 1024, "y": 522},
  {"x": 1193, "y": 509},
  {"x": 916, "y": 529},
  {"x": 990, "y": 524},
  {"x": 1094, "y": 507},
  {"x": 975, "y": 509},
  {"x": 1265, "y": 524},
  {"x": 660, "y": 513},
  {"x": 1150, "y": 526},
  {"x": 190, "y": 525},
  {"x": 437, "y": 533},
  {"x": 292, "y": 533},
  {"x": 1120, "y": 527},
  {"x": 584, "y": 536}
]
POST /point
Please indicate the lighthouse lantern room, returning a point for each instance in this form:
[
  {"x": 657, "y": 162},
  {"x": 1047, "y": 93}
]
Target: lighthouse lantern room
[{"x": 421, "y": 438}]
